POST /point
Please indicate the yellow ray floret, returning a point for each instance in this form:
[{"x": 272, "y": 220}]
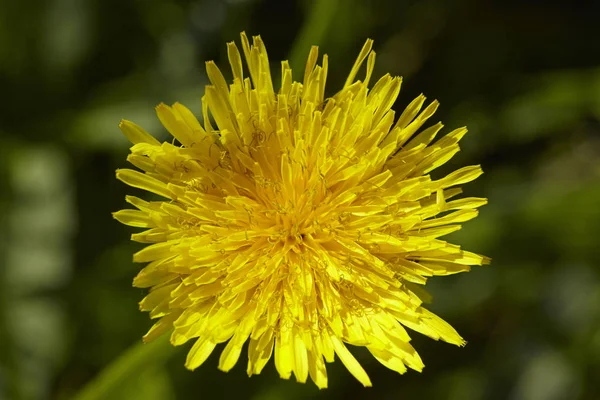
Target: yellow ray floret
[{"x": 298, "y": 224}]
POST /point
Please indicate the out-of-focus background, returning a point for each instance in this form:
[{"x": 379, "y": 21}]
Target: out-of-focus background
[{"x": 523, "y": 75}]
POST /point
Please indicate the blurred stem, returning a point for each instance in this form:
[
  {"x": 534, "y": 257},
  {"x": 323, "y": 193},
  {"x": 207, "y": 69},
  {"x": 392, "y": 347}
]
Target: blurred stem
[
  {"x": 127, "y": 367},
  {"x": 312, "y": 33}
]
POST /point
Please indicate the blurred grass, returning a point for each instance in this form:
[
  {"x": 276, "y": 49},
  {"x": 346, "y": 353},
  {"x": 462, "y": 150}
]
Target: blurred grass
[
  {"x": 318, "y": 22},
  {"x": 134, "y": 369},
  {"x": 523, "y": 76}
]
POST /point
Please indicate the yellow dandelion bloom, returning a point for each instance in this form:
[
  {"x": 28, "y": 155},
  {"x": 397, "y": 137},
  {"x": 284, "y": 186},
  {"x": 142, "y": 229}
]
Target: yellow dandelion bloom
[{"x": 298, "y": 223}]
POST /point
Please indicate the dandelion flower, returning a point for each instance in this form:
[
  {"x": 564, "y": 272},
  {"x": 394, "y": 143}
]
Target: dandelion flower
[{"x": 296, "y": 223}]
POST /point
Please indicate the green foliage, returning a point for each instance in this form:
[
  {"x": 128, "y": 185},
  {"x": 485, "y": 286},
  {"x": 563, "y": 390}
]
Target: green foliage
[
  {"x": 524, "y": 76},
  {"x": 138, "y": 373}
]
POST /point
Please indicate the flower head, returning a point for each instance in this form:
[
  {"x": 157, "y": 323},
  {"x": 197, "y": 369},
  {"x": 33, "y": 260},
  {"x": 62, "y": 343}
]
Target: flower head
[{"x": 298, "y": 223}]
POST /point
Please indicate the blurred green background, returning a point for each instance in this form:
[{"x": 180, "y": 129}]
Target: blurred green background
[{"x": 523, "y": 75}]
